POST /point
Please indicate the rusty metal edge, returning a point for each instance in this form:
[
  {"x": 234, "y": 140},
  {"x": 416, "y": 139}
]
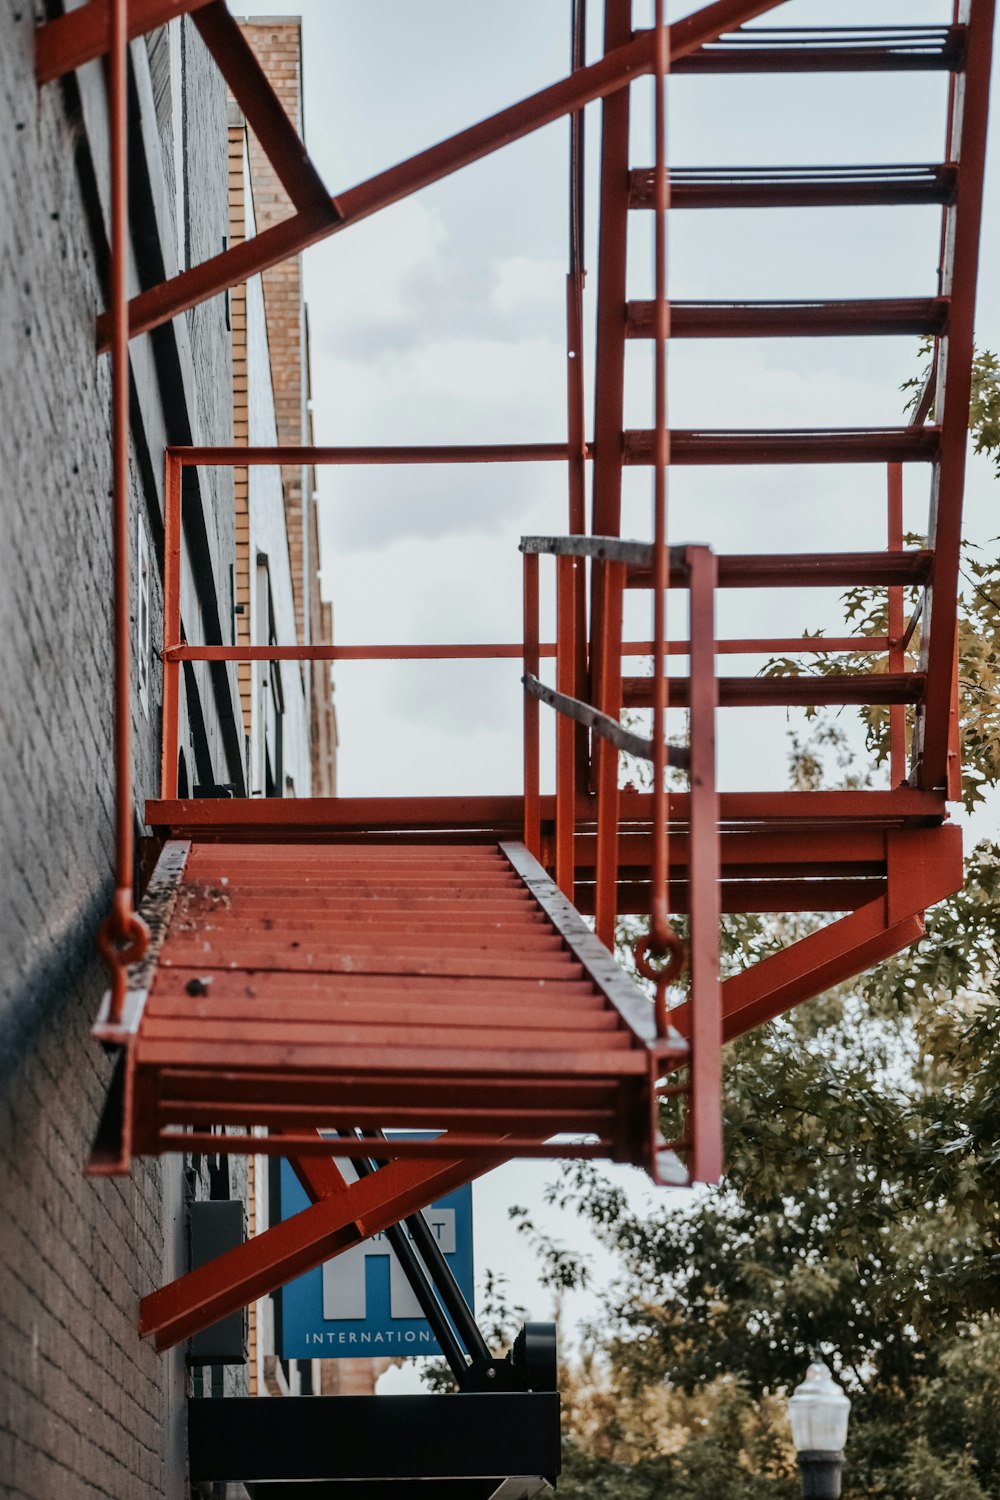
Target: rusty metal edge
[
  {"x": 157, "y": 910},
  {"x": 608, "y": 729},
  {"x": 599, "y": 963},
  {"x": 603, "y": 548}
]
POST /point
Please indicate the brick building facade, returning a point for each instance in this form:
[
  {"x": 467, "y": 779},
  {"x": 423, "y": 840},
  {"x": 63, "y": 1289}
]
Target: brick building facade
[
  {"x": 277, "y": 43},
  {"x": 86, "y": 1409}
]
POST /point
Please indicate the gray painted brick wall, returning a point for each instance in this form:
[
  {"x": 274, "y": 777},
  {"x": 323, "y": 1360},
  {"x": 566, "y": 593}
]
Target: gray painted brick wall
[{"x": 85, "y": 1409}]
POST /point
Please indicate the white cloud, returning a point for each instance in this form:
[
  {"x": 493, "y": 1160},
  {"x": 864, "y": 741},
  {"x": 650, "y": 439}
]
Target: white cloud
[{"x": 524, "y": 283}]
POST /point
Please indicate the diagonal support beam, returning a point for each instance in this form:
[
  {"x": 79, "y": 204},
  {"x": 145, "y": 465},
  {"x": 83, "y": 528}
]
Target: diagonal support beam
[
  {"x": 709, "y": 23},
  {"x": 285, "y": 150},
  {"x": 336, "y": 1222},
  {"x": 616, "y": 70},
  {"x": 813, "y": 965},
  {"x": 923, "y": 864},
  {"x": 81, "y": 35},
  {"x": 612, "y": 72}
]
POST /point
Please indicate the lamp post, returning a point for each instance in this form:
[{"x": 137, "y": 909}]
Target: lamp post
[{"x": 819, "y": 1411}]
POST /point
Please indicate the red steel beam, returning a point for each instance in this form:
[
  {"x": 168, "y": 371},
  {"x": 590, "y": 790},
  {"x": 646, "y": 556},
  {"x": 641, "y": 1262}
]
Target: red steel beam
[
  {"x": 882, "y": 445},
  {"x": 708, "y": 23},
  {"x": 752, "y": 646},
  {"x": 884, "y": 54},
  {"x": 781, "y": 896},
  {"x": 807, "y": 570},
  {"x": 612, "y": 72},
  {"x": 171, "y": 626},
  {"x": 420, "y": 453},
  {"x": 333, "y": 1224},
  {"x": 81, "y": 35},
  {"x": 532, "y": 766},
  {"x": 959, "y": 276},
  {"x": 566, "y": 751},
  {"x": 252, "y": 90},
  {"x": 705, "y": 1111},
  {"x": 896, "y": 625},
  {"x": 925, "y": 865},
  {"x": 813, "y": 965},
  {"x": 855, "y": 851},
  {"x": 806, "y": 690},
  {"x": 252, "y": 818},
  {"x": 607, "y": 583},
  {"x": 794, "y": 319},
  {"x": 609, "y": 698},
  {"x": 800, "y": 187}
]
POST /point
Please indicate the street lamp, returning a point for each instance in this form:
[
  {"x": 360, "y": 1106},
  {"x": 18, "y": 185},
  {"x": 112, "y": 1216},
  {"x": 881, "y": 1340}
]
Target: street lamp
[{"x": 819, "y": 1411}]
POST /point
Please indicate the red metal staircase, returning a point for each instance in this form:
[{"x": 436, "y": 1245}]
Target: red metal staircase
[
  {"x": 367, "y": 964},
  {"x": 303, "y": 987}
]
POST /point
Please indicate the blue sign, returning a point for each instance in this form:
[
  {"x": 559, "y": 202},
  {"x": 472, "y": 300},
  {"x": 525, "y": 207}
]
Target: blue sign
[{"x": 360, "y": 1302}]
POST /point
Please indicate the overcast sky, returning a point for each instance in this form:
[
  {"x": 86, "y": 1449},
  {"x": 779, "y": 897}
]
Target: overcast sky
[{"x": 441, "y": 321}]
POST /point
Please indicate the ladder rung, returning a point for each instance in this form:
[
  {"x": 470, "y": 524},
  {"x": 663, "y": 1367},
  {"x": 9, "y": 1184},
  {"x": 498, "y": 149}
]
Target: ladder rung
[
  {"x": 793, "y": 319},
  {"x": 835, "y": 445},
  {"x": 769, "y": 570},
  {"x": 799, "y": 187},
  {"x": 786, "y": 692},
  {"x": 830, "y": 49}
]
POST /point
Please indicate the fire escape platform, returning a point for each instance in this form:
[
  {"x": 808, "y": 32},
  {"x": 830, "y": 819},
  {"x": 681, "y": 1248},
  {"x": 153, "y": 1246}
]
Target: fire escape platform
[
  {"x": 489, "y": 819},
  {"x": 344, "y": 987},
  {"x": 779, "y": 851}
]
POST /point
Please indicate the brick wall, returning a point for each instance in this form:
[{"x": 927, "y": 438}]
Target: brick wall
[
  {"x": 238, "y": 213},
  {"x": 85, "y": 1409},
  {"x": 277, "y": 44}
]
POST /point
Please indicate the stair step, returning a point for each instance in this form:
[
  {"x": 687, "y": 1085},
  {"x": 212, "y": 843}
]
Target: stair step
[
  {"x": 786, "y": 692},
  {"x": 360, "y": 1009},
  {"x": 183, "y": 1089},
  {"x": 766, "y": 570},
  {"x": 283, "y": 954},
  {"x": 745, "y": 570},
  {"x": 278, "y": 990},
  {"x": 802, "y": 318},
  {"x": 835, "y": 445},
  {"x": 830, "y": 49},
  {"x": 799, "y": 187},
  {"x": 521, "y": 1059},
  {"x": 217, "y": 1035}
]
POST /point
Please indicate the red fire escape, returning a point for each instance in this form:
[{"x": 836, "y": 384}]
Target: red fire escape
[{"x": 360, "y": 966}]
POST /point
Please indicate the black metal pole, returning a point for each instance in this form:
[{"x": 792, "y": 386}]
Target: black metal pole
[
  {"x": 424, "y": 1292},
  {"x": 448, "y": 1289},
  {"x": 821, "y": 1473}
]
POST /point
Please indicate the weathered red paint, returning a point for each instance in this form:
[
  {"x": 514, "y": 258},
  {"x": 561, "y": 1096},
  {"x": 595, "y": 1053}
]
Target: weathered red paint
[{"x": 374, "y": 961}]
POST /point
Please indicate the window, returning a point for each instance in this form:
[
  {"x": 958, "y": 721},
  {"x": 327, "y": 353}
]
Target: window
[
  {"x": 271, "y": 705},
  {"x": 142, "y": 642}
]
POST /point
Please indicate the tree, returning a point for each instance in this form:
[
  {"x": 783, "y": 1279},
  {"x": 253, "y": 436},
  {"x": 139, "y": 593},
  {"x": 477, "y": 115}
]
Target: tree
[{"x": 858, "y": 1214}]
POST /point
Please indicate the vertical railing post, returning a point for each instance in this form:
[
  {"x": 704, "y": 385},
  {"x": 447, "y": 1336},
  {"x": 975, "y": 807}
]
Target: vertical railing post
[
  {"x": 609, "y": 387},
  {"x": 612, "y": 576},
  {"x": 659, "y": 919},
  {"x": 123, "y": 936},
  {"x": 566, "y": 575},
  {"x": 895, "y": 628},
  {"x": 575, "y": 384},
  {"x": 705, "y": 1106},
  {"x": 953, "y": 785},
  {"x": 171, "y": 623},
  {"x": 118, "y": 277},
  {"x": 963, "y": 223},
  {"x": 532, "y": 808}
]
